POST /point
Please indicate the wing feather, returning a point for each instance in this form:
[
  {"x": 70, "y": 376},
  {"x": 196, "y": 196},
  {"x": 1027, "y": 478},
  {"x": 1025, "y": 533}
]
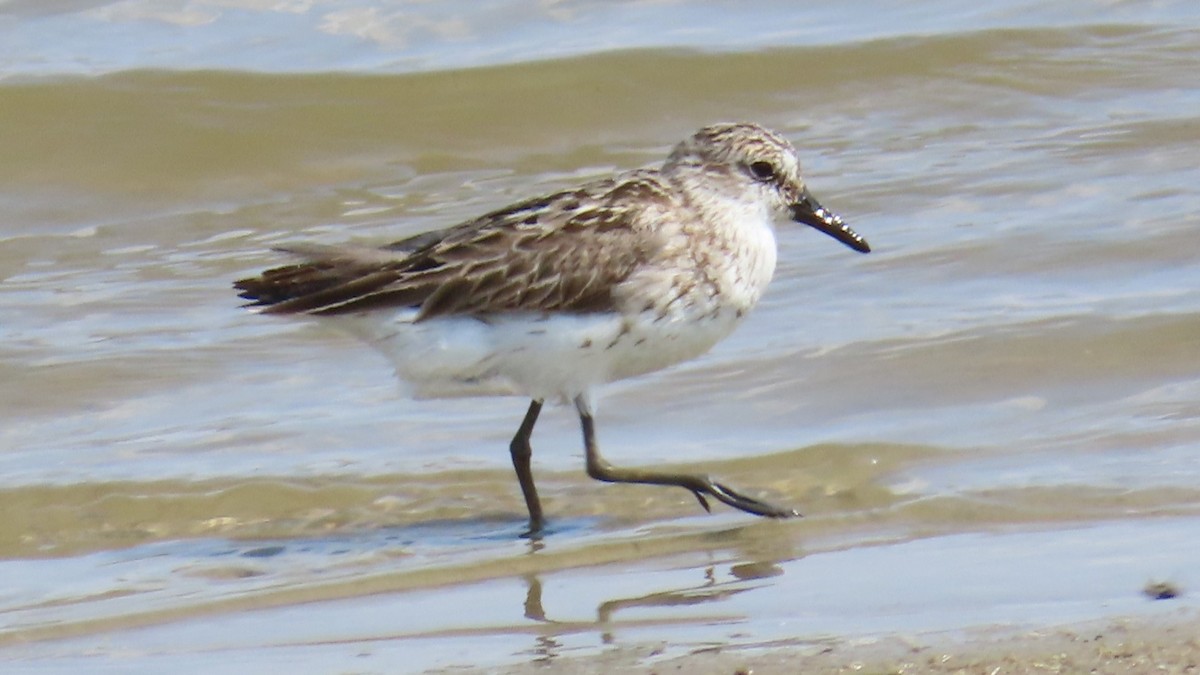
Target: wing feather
[{"x": 563, "y": 252}]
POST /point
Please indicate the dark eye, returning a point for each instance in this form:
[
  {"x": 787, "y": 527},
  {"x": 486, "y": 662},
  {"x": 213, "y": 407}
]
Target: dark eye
[{"x": 762, "y": 170}]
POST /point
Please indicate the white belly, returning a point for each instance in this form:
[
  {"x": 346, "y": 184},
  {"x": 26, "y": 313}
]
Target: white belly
[{"x": 538, "y": 356}]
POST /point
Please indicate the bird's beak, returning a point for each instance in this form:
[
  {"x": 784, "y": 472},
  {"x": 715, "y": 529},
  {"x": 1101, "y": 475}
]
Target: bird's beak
[{"x": 809, "y": 212}]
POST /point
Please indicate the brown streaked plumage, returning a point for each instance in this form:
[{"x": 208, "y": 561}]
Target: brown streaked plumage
[
  {"x": 565, "y": 252},
  {"x": 554, "y": 295}
]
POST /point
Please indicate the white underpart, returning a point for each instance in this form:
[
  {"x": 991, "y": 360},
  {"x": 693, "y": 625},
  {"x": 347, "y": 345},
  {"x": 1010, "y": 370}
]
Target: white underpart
[{"x": 540, "y": 356}]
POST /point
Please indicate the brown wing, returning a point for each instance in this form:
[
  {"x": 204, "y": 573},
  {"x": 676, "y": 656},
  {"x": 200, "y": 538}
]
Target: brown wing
[{"x": 564, "y": 252}]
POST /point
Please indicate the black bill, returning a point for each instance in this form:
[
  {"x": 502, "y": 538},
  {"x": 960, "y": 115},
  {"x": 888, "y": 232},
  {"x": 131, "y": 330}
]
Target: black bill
[{"x": 809, "y": 212}]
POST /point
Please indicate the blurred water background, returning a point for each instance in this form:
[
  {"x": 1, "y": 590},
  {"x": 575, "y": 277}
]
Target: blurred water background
[{"x": 993, "y": 419}]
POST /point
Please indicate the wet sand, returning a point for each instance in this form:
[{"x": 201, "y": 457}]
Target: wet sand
[{"x": 1134, "y": 645}]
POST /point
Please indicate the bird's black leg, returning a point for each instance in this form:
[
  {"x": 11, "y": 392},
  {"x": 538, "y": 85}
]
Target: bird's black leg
[
  {"x": 699, "y": 484},
  {"x": 521, "y": 452}
]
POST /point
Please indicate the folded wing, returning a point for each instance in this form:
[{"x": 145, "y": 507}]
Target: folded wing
[{"x": 565, "y": 252}]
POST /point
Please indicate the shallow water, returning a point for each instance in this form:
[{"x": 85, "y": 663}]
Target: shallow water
[{"x": 993, "y": 418}]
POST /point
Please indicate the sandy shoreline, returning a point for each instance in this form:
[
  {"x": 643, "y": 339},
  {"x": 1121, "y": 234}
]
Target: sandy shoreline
[{"x": 1167, "y": 643}]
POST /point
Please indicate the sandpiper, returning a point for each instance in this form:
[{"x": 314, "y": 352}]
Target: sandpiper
[{"x": 551, "y": 296}]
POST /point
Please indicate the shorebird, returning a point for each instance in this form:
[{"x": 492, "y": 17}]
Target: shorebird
[{"x": 552, "y": 296}]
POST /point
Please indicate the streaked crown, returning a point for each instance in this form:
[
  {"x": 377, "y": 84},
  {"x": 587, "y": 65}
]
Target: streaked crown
[{"x": 743, "y": 160}]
